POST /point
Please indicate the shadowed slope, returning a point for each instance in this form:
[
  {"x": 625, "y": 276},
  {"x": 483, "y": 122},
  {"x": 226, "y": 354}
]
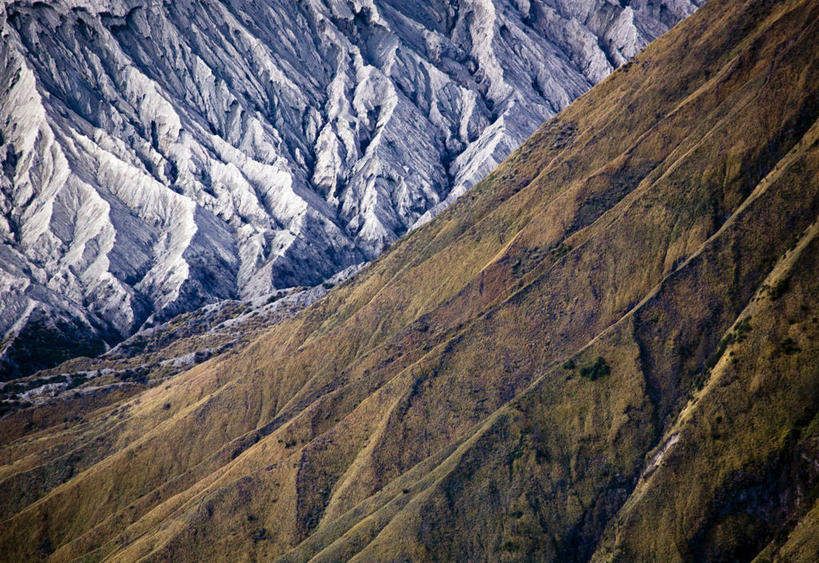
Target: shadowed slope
[{"x": 531, "y": 375}]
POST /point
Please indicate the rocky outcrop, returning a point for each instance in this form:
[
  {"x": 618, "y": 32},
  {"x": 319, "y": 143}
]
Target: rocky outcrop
[{"x": 158, "y": 156}]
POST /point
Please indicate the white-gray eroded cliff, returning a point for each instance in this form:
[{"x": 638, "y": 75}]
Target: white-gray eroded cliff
[{"x": 157, "y": 156}]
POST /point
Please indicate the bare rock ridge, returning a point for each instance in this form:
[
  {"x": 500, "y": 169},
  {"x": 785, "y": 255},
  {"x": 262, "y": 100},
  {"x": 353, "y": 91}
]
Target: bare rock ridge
[{"x": 158, "y": 156}]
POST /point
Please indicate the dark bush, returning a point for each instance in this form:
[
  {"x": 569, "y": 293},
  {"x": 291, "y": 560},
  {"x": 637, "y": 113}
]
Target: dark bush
[
  {"x": 780, "y": 288},
  {"x": 596, "y": 370},
  {"x": 789, "y": 346}
]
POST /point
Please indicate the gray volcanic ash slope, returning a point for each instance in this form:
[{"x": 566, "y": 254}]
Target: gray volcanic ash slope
[{"x": 157, "y": 156}]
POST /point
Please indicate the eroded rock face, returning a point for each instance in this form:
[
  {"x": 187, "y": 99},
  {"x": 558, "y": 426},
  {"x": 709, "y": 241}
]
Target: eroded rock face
[{"x": 157, "y": 156}]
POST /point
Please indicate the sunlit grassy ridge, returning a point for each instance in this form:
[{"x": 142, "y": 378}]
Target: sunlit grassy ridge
[{"x": 592, "y": 354}]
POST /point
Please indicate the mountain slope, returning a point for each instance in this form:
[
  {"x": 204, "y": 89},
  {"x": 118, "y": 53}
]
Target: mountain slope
[
  {"x": 606, "y": 349},
  {"x": 161, "y": 156}
]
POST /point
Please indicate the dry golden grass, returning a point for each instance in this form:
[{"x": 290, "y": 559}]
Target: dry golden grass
[{"x": 453, "y": 402}]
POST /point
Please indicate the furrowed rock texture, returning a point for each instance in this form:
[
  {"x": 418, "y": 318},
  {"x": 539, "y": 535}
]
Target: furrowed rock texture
[
  {"x": 157, "y": 156},
  {"x": 606, "y": 350}
]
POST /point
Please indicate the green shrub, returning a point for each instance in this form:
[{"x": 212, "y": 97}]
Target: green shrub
[
  {"x": 600, "y": 368},
  {"x": 739, "y": 334},
  {"x": 259, "y": 535},
  {"x": 780, "y": 288},
  {"x": 561, "y": 250}
]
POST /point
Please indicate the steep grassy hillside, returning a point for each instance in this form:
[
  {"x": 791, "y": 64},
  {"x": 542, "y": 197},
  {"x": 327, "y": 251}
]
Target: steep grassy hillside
[{"x": 606, "y": 350}]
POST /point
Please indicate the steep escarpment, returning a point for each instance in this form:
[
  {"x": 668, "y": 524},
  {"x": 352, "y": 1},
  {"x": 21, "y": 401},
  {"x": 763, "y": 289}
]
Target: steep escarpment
[
  {"x": 158, "y": 157},
  {"x": 606, "y": 349}
]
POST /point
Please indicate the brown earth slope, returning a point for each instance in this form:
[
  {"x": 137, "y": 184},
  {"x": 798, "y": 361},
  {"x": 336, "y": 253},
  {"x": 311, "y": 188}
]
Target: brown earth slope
[{"x": 607, "y": 349}]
